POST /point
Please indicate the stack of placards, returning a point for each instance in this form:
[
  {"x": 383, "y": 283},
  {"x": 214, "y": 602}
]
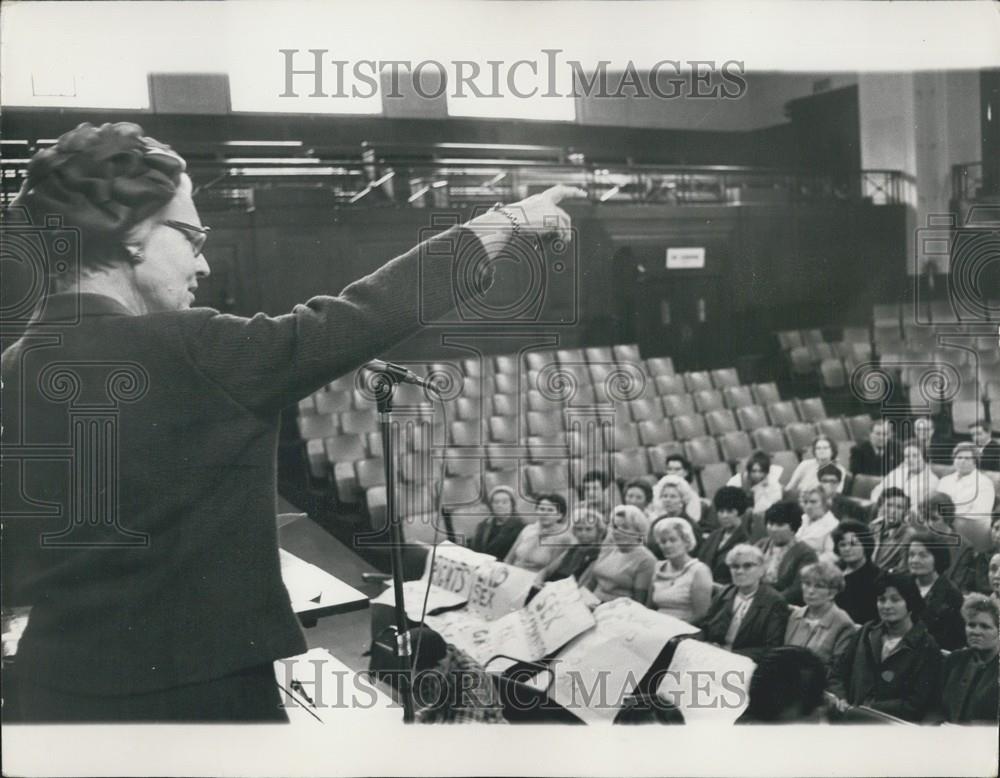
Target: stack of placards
[{"x": 706, "y": 683}]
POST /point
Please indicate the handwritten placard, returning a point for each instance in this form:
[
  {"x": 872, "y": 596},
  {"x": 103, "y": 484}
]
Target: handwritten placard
[
  {"x": 707, "y": 683},
  {"x": 453, "y": 566},
  {"x": 645, "y": 631},
  {"x": 498, "y": 589}
]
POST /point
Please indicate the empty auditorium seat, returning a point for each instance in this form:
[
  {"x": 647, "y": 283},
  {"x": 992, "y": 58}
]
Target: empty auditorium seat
[
  {"x": 552, "y": 477},
  {"x": 627, "y": 354},
  {"x": 332, "y": 402},
  {"x": 502, "y": 457},
  {"x": 345, "y": 448},
  {"x": 415, "y": 467},
  {"x": 469, "y": 433},
  {"x": 623, "y": 437},
  {"x": 787, "y": 461},
  {"x": 494, "y": 478},
  {"x": 832, "y": 374},
  {"x": 544, "y": 424},
  {"x": 886, "y": 313},
  {"x": 538, "y": 360},
  {"x": 689, "y": 426},
  {"x": 461, "y": 490},
  {"x": 359, "y": 421},
  {"x": 708, "y": 400},
  {"x": 802, "y": 361},
  {"x": 653, "y": 431},
  {"x": 713, "y": 477},
  {"x": 812, "y": 408},
  {"x": 669, "y": 385},
  {"x": 307, "y": 406},
  {"x": 752, "y": 417},
  {"x": 373, "y": 443},
  {"x": 856, "y": 335},
  {"x": 658, "y": 455},
  {"x": 702, "y": 451},
  {"x": 812, "y": 337},
  {"x": 725, "y": 377},
  {"x": 821, "y": 351},
  {"x": 789, "y": 339},
  {"x": 783, "y": 413},
  {"x": 644, "y": 409},
  {"x": 505, "y": 404},
  {"x": 316, "y": 458},
  {"x": 769, "y": 439},
  {"x": 736, "y": 446},
  {"x": 371, "y": 472},
  {"x": 630, "y": 463},
  {"x": 503, "y": 429},
  {"x": 472, "y": 367},
  {"x": 737, "y": 396},
  {"x": 541, "y": 448},
  {"x": 966, "y": 412},
  {"x": 660, "y": 366},
  {"x": 344, "y": 383},
  {"x": 835, "y": 429},
  {"x": 568, "y": 356},
  {"x": 800, "y": 435},
  {"x": 375, "y": 501},
  {"x": 859, "y": 426},
  {"x": 317, "y": 427},
  {"x": 468, "y": 408},
  {"x": 766, "y": 393},
  {"x": 698, "y": 380},
  {"x": 720, "y": 422},
  {"x": 677, "y": 404},
  {"x": 505, "y": 363},
  {"x": 507, "y": 384}
]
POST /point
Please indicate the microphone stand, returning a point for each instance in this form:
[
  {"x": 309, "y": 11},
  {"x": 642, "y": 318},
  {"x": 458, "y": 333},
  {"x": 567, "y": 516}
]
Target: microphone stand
[{"x": 385, "y": 385}]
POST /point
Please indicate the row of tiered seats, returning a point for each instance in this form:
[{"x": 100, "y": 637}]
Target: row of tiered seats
[{"x": 503, "y": 429}]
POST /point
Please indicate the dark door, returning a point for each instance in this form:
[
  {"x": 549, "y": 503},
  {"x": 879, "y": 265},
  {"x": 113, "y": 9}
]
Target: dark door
[{"x": 681, "y": 317}]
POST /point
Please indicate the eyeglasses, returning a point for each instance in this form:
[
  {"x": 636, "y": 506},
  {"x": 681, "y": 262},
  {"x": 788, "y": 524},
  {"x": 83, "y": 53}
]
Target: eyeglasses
[
  {"x": 811, "y": 585},
  {"x": 743, "y": 566},
  {"x": 196, "y": 236}
]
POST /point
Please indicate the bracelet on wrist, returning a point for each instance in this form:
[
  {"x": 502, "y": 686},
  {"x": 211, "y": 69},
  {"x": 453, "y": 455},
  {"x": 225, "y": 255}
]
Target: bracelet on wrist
[{"x": 514, "y": 223}]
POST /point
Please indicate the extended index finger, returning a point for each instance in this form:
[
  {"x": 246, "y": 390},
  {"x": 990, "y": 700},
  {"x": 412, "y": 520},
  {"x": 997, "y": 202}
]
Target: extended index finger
[{"x": 565, "y": 192}]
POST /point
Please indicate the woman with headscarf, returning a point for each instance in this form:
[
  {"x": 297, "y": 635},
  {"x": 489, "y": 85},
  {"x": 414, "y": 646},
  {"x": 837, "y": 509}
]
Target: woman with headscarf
[
  {"x": 625, "y": 566},
  {"x": 168, "y": 604},
  {"x": 496, "y": 534}
]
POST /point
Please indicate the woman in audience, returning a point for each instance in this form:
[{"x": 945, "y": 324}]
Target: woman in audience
[
  {"x": 679, "y": 473},
  {"x": 855, "y": 544},
  {"x": 589, "y": 530},
  {"x": 818, "y": 523},
  {"x": 542, "y": 541},
  {"x": 760, "y": 480},
  {"x": 730, "y": 503},
  {"x": 638, "y": 493},
  {"x": 682, "y": 584},
  {"x": 969, "y": 676},
  {"x": 892, "y": 530},
  {"x": 914, "y": 476},
  {"x": 936, "y": 514},
  {"x": 594, "y": 491},
  {"x": 891, "y": 664},
  {"x": 820, "y": 625},
  {"x": 824, "y": 451},
  {"x": 972, "y": 492},
  {"x": 784, "y": 556},
  {"x": 496, "y": 534},
  {"x": 926, "y": 560},
  {"x": 624, "y": 567},
  {"x": 981, "y": 561},
  {"x": 748, "y": 617}
]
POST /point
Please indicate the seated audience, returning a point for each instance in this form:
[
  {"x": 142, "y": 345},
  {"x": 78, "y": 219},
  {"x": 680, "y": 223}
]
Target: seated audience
[
  {"x": 784, "y": 556},
  {"x": 926, "y": 560},
  {"x": 542, "y": 541},
  {"x": 876, "y": 456},
  {"x": 671, "y": 504},
  {"x": 682, "y": 584},
  {"x": 760, "y": 479},
  {"x": 981, "y": 561},
  {"x": 824, "y": 452},
  {"x": 624, "y": 567},
  {"x": 855, "y": 545},
  {"x": 973, "y": 494},
  {"x": 749, "y": 616},
  {"x": 969, "y": 676},
  {"x": 589, "y": 530},
  {"x": 913, "y": 475},
  {"x": 892, "y": 664},
  {"x": 640, "y": 494},
  {"x": 786, "y": 687},
  {"x": 891, "y": 530},
  {"x": 937, "y": 515},
  {"x": 818, "y": 523},
  {"x": 496, "y": 534},
  {"x": 678, "y": 467},
  {"x": 830, "y": 477},
  {"x": 594, "y": 491},
  {"x": 820, "y": 625},
  {"x": 730, "y": 504},
  {"x": 987, "y": 447}
]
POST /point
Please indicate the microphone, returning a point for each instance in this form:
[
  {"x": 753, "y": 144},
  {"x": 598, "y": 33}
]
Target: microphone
[{"x": 399, "y": 373}]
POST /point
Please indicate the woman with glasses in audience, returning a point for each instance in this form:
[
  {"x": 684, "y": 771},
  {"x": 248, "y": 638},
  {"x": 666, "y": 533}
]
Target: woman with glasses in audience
[
  {"x": 541, "y": 542},
  {"x": 820, "y": 625},
  {"x": 589, "y": 530},
  {"x": 749, "y": 616},
  {"x": 969, "y": 677},
  {"x": 682, "y": 584},
  {"x": 891, "y": 664},
  {"x": 913, "y": 475},
  {"x": 927, "y": 560},
  {"x": 824, "y": 451},
  {"x": 818, "y": 523},
  {"x": 624, "y": 567},
  {"x": 496, "y": 534},
  {"x": 854, "y": 544}
]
